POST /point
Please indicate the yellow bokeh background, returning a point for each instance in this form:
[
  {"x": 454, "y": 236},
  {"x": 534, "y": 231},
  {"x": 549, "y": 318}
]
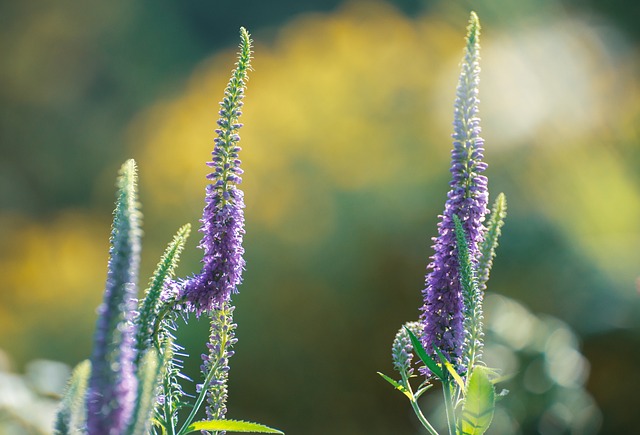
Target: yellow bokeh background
[{"x": 346, "y": 150}]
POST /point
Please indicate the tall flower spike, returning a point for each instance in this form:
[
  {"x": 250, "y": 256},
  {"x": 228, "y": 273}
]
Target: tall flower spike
[
  {"x": 443, "y": 309},
  {"x": 223, "y": 216},
  {"x": 112, "y": 384}
]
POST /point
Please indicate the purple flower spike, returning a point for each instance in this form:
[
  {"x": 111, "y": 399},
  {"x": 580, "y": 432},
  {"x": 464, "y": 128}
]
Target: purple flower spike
[
  {"x": 223, "y": 228},
  {"x": 112, "y": 385},
  {"x": 443, "y": 310},
  {"x": 223, "y": 216},
  {"x": 402, "y": 349}
]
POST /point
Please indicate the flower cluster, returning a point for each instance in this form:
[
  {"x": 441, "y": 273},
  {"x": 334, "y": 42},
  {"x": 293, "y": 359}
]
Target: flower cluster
[
  {"x": 443, "y": 309},
  {"x": 223, "y": 215},
  {"x": 449, "y": 338},
  {"x": 402, "y": 349}
]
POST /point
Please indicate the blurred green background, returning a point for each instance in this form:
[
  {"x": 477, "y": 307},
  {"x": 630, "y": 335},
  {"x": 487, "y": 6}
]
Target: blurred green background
[{"x": 346, "y": 151}]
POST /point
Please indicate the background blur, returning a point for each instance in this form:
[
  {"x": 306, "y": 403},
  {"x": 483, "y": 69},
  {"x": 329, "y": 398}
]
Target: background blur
[{"x": 346, "y": 151}]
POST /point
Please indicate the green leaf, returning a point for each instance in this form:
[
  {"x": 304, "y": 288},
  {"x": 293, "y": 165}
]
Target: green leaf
[
  {"x": 231, "y": 426},
  {"x": 422, "y": 389},
  {"x": 71, "y": 413},
  {"x": 148, "y": 380},
  {"x": 452, "y": 371},
  {"x": 479, "y": 403},
  {"x": 426, "y": 359},
  {"x": 396, "y": 385}
]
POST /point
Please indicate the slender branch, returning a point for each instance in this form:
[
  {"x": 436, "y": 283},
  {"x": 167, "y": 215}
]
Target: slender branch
[
  {"x": 201, "y": 397},
  {"x": 167, "y": 412},
  {"x": 422, "y": 418},
  {"x": 448, "y": 403},
  {"x": 416, "y": 408}
]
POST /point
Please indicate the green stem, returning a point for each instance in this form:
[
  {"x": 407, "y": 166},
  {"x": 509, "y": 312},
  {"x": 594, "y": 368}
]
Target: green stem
[
  {"x": 422, "y": 418},
  {"x": 158, "y": 323},
  {"x": 168, "y": 415},
  {"x": 416, "y": 408},
  {"x": 448, "y": 403},
  {"x": 201, "y": 397}
]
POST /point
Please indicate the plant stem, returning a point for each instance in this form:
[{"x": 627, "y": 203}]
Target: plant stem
[
  {"x": 196, "y": 406},
  {"x": 168, "y": 415},
  {"x": 448, "y": 403},
  {"x": 416, "y": 408},
  {"x": 422, "y": 418}
]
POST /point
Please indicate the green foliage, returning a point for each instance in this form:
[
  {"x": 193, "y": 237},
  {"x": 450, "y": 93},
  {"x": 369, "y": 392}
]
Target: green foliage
[
  {"x": 479, "y": 403},
  {"x": 397, "y": 385},
  {"x": 426, "y": 359},
  {"x": 452, "y": 371},
  {"x": 149, "y": 318},
  {"x": 490, "y": 243},
  {"x": 231, "y": 426},
  {"x": 71, "y": 413}
]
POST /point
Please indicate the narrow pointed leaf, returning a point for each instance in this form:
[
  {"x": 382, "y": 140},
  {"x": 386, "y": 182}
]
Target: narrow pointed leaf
[
  {"x": 479, "y": 403},
  {"x": 422, "y": 390},
  {"x": 396, "y": 385},
  {"x": 231, "y": 426},
  {"x": 70, "y": 416},
  {"x": 452, "y": 371},
  {"x": 426, "y": 359}
]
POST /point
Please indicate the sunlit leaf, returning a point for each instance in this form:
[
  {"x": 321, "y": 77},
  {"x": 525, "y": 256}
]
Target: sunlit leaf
[
  {"x": 426, "y": 359},
  {"x": 452, "y": 371},
  {"x": 231, "y": 426},
  {"x": 479, "y": 403},
  {"x": 396, "y": 385}
]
